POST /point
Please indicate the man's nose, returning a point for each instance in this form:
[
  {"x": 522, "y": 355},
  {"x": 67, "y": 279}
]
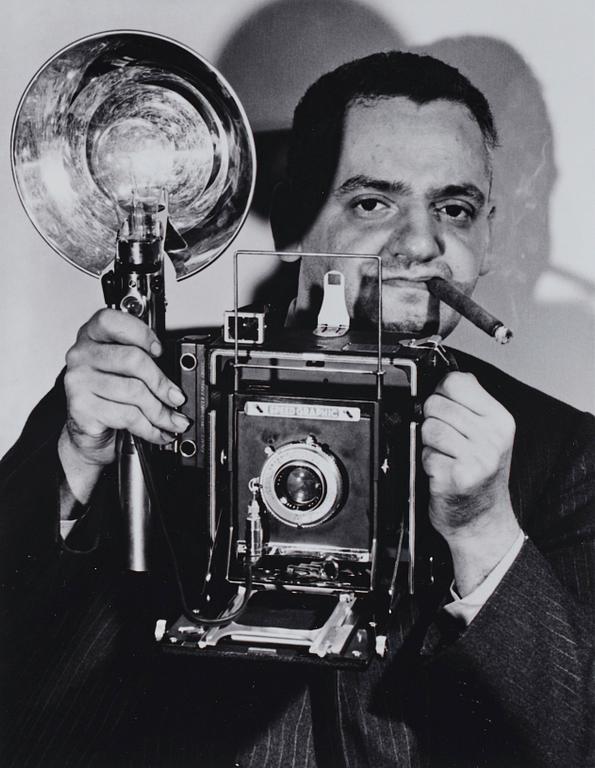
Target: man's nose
[{"x": 417, "y": 236}]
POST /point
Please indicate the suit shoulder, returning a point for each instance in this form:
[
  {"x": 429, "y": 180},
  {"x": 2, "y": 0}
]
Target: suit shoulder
[{"x": 525, "y": 402}]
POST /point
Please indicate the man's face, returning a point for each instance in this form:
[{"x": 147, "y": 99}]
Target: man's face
[{"x": 411, "y": 186}]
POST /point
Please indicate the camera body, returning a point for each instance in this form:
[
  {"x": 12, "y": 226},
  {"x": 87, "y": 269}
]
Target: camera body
[{"x": 320, "y": 437}]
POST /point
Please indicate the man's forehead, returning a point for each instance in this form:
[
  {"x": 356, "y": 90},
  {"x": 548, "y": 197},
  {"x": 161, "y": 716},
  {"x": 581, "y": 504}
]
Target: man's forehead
[{"x": 397, "y": 129}]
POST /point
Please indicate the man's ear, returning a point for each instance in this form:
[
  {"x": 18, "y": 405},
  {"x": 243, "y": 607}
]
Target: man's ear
[
  {"x": 486, "y": 263},
  {"x": 284, "y": 217}
]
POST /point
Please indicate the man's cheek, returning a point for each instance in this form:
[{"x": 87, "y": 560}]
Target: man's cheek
[{"x": 465, "y": 253}]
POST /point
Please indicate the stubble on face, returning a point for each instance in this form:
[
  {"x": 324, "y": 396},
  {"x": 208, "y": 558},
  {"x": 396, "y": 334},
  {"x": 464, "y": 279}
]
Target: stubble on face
[{"x": 412, "y": 187}]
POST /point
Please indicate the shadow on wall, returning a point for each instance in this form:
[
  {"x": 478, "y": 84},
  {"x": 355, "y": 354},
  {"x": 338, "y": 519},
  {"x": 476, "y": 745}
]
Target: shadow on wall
[
  {"x": 550, "y": 336},
  {"x": 279, "y": 51},
  {"x": 274, "y": 56}
]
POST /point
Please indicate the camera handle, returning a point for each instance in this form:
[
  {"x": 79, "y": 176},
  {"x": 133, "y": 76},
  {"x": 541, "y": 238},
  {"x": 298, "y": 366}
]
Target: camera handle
[{"x": 136, "y": 285}]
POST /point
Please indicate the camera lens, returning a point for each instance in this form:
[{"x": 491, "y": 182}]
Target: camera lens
[
  {"x": 303, "y": 486},
  {"x": 301, "y": 483},
  {"x": 299, "y": 487}
]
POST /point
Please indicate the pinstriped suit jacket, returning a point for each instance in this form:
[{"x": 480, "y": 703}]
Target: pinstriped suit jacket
[{"x": 82, "y": 686}]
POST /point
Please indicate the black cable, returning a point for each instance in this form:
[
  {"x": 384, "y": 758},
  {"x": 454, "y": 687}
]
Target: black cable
[{"x": 193, "y": 616}]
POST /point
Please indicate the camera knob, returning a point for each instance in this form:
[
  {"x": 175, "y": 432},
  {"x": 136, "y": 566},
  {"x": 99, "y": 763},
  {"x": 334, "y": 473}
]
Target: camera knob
[{"x": 187, "y": 448}]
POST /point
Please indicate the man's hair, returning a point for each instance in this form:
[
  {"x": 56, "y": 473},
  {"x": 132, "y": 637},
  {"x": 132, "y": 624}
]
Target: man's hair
[{"x": 316, "y": 137}]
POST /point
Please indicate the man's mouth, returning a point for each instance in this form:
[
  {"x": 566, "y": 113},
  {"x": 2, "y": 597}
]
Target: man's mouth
[
  {"x": 406, "y": 279},
  {"x": 406, "y": 282}
]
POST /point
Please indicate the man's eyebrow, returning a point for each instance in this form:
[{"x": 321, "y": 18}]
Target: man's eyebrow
[
  {"x": 368, "y": 182},
  {"x": 468, "y": 190},
  {"x": 459, "y": 190}
]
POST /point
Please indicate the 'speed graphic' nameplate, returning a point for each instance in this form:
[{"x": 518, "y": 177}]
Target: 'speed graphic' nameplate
[{"x": 302, "y": 411}]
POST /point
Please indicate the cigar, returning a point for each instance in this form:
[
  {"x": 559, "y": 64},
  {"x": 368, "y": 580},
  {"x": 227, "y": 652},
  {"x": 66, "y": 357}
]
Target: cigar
[{"x": 470, "y": 309}]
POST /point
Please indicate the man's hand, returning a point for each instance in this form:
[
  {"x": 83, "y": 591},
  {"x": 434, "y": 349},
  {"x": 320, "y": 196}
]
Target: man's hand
[
  {"x": 467, "y": 438},
  {"x": 112, "y": 382}
]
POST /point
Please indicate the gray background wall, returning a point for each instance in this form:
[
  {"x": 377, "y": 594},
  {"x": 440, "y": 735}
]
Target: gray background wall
[{"x": 536, "y": 62}]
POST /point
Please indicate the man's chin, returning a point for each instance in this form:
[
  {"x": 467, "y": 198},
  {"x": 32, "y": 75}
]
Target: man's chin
[
  {"x": 407, "y": 328},
  {"x": 411, "y": 313},
  {"x": 415, "y": 327}
]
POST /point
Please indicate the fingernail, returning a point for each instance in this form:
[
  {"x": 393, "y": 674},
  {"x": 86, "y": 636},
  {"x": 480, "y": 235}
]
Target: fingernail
[
  {"x": 156, "y": 349},
  {"x": 176, "y": 396},
  {"x": 180, "y": 421}
]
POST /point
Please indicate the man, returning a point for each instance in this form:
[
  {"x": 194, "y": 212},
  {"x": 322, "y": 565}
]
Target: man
[{"x": 390, "y": 155}]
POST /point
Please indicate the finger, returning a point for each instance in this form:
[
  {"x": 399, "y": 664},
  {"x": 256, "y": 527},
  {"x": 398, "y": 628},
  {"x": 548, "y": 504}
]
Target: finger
[
  {"x": 450, "y": 477},
  {"x": 111, "y": 325},
  {"x": 125, "y": 361},
  {"x": 129, "y": 417},
  {"x": 436, "y": 464},
  {"x": 463, "y": 388},
  {"x": 132, "y": 391},
  {"x": 456, "y": 415},
  {"x": 97, "y": 418},
  {"x": 441, "y": 437}
]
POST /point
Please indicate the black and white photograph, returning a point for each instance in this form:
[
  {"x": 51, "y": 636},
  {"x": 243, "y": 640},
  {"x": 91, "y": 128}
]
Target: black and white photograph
[{"x": 298, "y": 383}]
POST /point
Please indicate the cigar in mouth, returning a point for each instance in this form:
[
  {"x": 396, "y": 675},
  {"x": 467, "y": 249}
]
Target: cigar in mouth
[{"x": 470, "y": 309}]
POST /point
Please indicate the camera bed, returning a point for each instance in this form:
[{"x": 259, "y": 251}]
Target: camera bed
[{"x": 274, "y": 610}]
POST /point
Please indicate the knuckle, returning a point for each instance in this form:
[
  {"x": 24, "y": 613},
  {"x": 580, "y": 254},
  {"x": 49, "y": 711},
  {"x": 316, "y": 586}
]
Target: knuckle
[
  {"x": 428, "y": 458},
  {"x": 156, "y": 413},
  {"x": 159, "y": 382},
  {"x": 166, "y": 416},
  {"x": 135, "y": 358},
  {"x": 73, "y": 356},
  {"x": 157, "y": 436},
  {"x": 134, "y": 389},
  {"x": 454, "y": 380},
  {"x": 505, "y": 426},
  {"x": 74, "y": 403},
  {"x": 431, "y": 430},
  {"x": 83, "y": 331},
  {"x": 432, "y": 405},
  {"x": 449, "y": 382},
  {"x": 133, "y": 419},
  {"x": 108, "y": 325},
  {"x": 151, "y": 434},
  {"x": 97, "y": 323},
  {"x": 508, "y": 423},
  {"x": 469, "y": 473},
  {"x": 73, "y": 382},
  {"x": 103, "y": 318},
  {"x": 69, "y": 381},
  {"x": 463, "y": 478},
  {"x": 77, "y": 408},
  {"x": 483, "y": 476},
  {"x": 488, "y": 461}
]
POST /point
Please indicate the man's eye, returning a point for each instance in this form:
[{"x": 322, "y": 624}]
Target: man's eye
[
  {"x": 456, "y": 212},
  {"x": 369, "y": 206}
]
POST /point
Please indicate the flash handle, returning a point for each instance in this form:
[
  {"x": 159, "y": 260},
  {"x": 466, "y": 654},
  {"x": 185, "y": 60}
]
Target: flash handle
[{"x": 135, "y": 503}]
